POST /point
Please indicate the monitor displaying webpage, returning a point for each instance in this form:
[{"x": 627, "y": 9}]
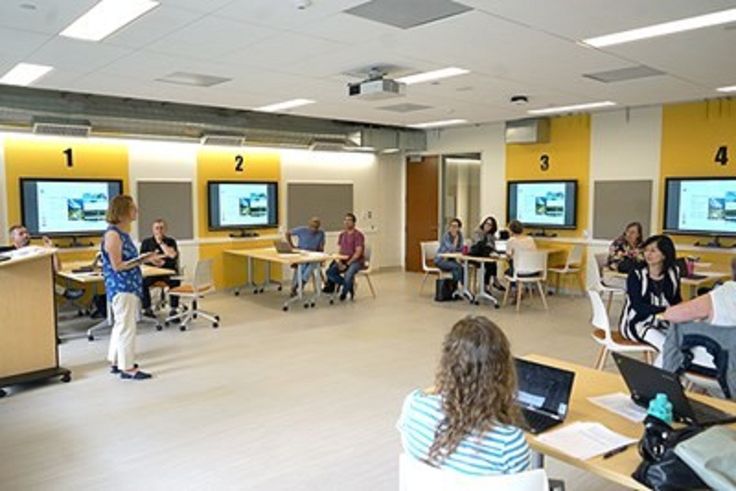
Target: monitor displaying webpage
[
  {"x": 67, "y": 207},
  {"x": 543, "y": 203},
  {"x": 242, "y": 204},
  {"x": 707, "y": 205}
]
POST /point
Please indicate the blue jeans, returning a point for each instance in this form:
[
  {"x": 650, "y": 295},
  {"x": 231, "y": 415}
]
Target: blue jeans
[
  {"x": 334, "y": 275},
  {"x": 307, "y": 272},
  {"x": 453, "y": 267}
]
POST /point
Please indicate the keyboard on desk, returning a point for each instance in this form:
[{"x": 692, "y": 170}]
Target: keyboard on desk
[{"x": 538, "y": 422}]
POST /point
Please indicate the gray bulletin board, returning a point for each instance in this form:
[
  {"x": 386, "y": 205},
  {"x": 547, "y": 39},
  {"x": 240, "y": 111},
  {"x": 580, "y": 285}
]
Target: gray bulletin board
[
  {"x": 170, "y": 200},
  {"x": 329, "y": 201},
  {"x": 618, "y": 203}
]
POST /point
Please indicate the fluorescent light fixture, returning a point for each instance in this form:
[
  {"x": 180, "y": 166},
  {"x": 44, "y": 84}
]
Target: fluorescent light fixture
[
  {"x": 418, "y": 78},
  {"x": 572, "y": 108},
  {"x": 390, "y": 150},
  {"x": 437, "y": 124},
  {"x": 731, "y": 88},
  {"x": 25, "y": 74},
  {"x": 107, "y": 17},
  {"x": 460, "y": 161},
  {"x": 656, "y": 30},
  {"x": 282, "y": 106}
]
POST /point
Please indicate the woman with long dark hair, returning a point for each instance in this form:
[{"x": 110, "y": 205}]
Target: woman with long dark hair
[
  {"x": 650, "y": 288},
  {"x": 468, "y": 422},
  {"x": 484, "y": 243}
]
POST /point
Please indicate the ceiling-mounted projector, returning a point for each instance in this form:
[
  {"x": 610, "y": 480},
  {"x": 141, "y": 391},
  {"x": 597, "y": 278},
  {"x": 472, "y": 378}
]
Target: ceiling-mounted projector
[{"x": 376, "y": 88}]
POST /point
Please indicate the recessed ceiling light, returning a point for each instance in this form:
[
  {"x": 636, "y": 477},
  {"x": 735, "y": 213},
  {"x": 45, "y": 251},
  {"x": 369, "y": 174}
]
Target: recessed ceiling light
[
  {"x": 730, "y": 88},
  {"x": 25, "y": 74},
  {"x": 418, "y": 78},
  {"x": 107, "y": 17},
  {"x": 572, "y": 108},
  {"x": 437, "y": 124},
  {"x": 682, "y": 25},
  {"x": 282, "y": 106}
]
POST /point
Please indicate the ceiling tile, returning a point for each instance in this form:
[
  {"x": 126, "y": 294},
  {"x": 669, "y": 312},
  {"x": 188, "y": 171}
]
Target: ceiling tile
[
  {"x": 75, "y": 55},
  {"x": 48, "y": 16},
  {"x": 211, "y": 37},
  {"x": 153, "y": 26}
]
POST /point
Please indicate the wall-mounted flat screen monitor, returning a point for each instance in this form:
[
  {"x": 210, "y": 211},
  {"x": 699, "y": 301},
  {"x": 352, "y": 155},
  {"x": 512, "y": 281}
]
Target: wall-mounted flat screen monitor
[
  {"x": 242, "y": 204},
  {"x": 542, "y": 204},
  {"x": 700, "y": 206},
  {"x": 66, "y": 207}
]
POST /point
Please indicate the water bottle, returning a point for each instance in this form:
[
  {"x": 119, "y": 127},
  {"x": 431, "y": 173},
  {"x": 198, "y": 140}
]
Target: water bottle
[{"x": 660, "y": 407}]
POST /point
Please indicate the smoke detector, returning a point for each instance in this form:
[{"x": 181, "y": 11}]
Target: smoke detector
[
  {"x": 519, "y": 100},
  {"x": 302, "y": 4}
]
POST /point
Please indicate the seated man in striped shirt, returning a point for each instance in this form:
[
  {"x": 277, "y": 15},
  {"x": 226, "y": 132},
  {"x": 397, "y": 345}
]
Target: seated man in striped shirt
[{"x": 467, "y": 423}]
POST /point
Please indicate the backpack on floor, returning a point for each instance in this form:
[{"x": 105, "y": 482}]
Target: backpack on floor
[{"x": 444, "y": 288}]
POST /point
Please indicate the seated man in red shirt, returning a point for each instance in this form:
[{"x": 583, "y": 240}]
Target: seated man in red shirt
[{"x": 342, "y": 271}]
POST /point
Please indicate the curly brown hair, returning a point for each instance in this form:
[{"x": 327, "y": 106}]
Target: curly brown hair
[{"x": 476, "y": 380}]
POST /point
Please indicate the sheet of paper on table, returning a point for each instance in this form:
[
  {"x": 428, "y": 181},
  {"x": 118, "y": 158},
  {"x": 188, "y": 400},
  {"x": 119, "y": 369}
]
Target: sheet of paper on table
[{"x": 584, "y": 440}]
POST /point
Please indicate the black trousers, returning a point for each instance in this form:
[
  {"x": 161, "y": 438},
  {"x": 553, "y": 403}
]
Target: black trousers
[
  {"x": 491, "y": 271},
  {"x": 150, "y": 280}
]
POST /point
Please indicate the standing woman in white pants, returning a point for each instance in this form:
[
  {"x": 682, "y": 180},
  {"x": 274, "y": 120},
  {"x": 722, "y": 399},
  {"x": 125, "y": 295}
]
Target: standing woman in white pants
[{"x": 124, "y": 285}]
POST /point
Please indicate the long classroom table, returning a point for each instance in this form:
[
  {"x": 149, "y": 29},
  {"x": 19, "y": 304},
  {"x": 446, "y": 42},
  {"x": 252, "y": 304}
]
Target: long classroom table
[
  {"x": 588, "y": 383},
  {"x": 268, "y": 255},
  {"x": 94, "y": 279}
]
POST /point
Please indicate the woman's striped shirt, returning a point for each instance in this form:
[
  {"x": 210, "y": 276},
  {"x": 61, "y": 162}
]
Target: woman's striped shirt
[{"x": 502, "y": 450}]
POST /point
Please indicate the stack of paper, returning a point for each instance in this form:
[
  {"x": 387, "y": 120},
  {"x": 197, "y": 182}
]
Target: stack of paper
[{"x": 583, "y": 440}]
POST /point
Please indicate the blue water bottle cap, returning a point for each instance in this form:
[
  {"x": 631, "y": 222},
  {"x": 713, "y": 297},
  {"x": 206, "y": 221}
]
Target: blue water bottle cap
[{"x": 660, "y": 407}]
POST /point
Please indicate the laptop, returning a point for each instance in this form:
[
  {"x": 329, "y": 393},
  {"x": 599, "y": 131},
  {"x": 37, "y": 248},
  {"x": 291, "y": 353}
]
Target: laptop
[
  {"x": 544, "y": 394},
  {"x": 645, "y": 381},
  {"x": 500, "y": 246},
  {"x": 284, "y": 247}
]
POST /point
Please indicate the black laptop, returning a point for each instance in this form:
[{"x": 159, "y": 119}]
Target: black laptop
[
  {"x": 544, "y": 394},
  {"x": 645, "y": 381}
]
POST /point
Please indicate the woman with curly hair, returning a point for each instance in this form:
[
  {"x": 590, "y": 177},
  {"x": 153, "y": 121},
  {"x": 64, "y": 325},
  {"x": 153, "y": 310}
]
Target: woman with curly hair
[{"x": 467, "y": 423}]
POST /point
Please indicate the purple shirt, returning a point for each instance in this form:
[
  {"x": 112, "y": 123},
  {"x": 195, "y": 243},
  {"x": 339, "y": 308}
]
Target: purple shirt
[{"x": 348, "y": 242}]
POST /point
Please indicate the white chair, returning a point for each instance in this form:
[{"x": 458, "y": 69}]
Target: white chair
[
  {"x": 529, "y": 267},
  {"x": 418, "y": 476},
  {"x": 429, "y": 253},
  {"x": 603, "y": 288},
  {"x": 611, "y": 340},
  {"x": 367, "y": 269},
  {"x": 202, "y": 284},
  {"x": 573, "y": 266}
]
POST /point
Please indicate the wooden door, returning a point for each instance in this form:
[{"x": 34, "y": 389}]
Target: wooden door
[{"x": 422, "y": 207}]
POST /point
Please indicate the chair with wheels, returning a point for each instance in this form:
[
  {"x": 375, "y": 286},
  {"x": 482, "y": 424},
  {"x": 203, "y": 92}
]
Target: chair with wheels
[
  {"x": 191, "y": 292},
  {"x": 610, "y": 340}
]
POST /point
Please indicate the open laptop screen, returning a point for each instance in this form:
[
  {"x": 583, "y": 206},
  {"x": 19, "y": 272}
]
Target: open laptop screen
[{"x": 543, "y": 387}]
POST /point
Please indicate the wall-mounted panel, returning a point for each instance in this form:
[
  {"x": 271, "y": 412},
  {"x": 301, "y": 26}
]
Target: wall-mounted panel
[
  {"x": 328, "y": 201},
  {"x": 618, "y": 203},
  {"x": 169, "y": 200}
]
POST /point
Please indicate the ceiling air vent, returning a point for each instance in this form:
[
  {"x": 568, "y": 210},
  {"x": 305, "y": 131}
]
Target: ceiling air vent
[
  {"x": 328, "y": 144},
  {"x": 527, "y": 131},
  {"x": 61, "y": 127},
  {"x": 223, "y": 140}
]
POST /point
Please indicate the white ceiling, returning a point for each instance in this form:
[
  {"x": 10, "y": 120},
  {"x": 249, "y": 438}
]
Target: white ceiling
[{"x": 273, "y": 52}]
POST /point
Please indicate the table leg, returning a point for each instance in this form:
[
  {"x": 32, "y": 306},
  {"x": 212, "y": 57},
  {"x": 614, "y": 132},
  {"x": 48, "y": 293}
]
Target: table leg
[
  {"x": 481, "y": 288},
  {"x": 465, "y": 292}
]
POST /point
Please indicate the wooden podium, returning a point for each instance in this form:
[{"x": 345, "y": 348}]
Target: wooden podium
[{"x": 28, "y": 338}]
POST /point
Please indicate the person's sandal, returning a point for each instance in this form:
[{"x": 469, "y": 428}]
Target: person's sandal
[
  {"x": 115, "y": 370},
  {"x": 138, "y": 375}
]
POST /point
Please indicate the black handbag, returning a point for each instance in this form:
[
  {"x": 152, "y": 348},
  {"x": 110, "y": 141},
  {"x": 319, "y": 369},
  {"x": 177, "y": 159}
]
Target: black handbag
[
  {"x": 444, "y": 289},
  {"x": 480, "y": 249},
  {"x": 660, "y": 468}
]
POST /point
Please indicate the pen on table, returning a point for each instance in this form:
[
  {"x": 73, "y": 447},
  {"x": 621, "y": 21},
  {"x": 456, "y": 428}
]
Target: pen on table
[{"x": 616, "y": 451}]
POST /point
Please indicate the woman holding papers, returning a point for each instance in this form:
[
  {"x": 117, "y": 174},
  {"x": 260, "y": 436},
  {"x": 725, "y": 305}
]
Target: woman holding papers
[
  {"x": 123, "y": 285},
  {"x": 467, "y": 423}
]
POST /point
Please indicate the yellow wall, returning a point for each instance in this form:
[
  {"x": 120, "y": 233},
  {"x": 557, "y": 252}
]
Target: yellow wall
[
  {"x": 220, "y": 164},
  {"x": 569, "y": 158},
  {"x": 45, "y": 158},
  {"x": 691, "y": 136}
]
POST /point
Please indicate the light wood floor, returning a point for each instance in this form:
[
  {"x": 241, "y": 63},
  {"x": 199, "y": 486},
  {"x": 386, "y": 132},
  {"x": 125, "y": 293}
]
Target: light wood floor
[{"x": 305, "y": 400}]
